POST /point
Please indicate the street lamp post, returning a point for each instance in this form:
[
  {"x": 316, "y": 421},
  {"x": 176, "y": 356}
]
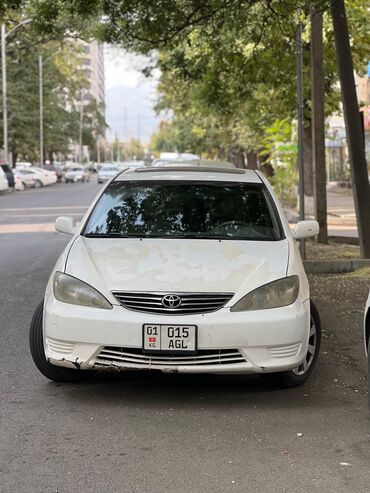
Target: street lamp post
[
  {"x": 5, "y": 102},
  {"x": 4, "y": 36},
  {"x": 299, "y": 68},
  {"x": 41, "y": 93}
]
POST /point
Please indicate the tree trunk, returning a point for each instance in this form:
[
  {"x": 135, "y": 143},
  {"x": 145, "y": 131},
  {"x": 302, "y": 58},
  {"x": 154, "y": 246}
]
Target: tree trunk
[
  {"x": 266, "y": 167},
  {"x": 355, "y": 137},
  {"x": 251, "y": 160},
  {"x": 307, "y": 160},
  {"x": 318, "y": 124},
  {"x": 236, "y": 156}
]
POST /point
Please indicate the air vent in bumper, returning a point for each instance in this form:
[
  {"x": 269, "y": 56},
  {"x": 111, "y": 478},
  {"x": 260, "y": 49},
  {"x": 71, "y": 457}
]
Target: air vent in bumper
[{"x": 133, "y": 356}]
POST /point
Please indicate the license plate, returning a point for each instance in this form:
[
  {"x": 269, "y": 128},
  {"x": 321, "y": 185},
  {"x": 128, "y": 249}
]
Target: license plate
[{"x": 170, "y": 338}]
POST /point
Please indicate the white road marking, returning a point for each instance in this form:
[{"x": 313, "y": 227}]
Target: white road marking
[
  {"x": 27, "y": 228},
  {"x": 18, "y": 209},
  {"x": 55, "y": 214}
]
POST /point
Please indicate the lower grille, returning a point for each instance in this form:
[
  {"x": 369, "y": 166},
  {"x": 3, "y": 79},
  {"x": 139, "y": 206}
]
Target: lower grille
[
  {"x": 172, "y": 303},
  {"x": 134, "y": 356}
]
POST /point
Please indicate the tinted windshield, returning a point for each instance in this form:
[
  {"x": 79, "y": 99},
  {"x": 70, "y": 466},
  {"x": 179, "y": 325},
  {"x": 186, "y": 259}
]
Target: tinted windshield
[
  {"x": 185, "y": 210},
  {"x": 109, "y": 168}
]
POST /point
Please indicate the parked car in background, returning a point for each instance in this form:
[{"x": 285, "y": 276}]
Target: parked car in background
[
  {"x": 19, "y": 184},
  {"x": 76, "y": 173},
  {"x": 194, "y": 163},
  {"x": 42, "y": 177},
  {"x": 49, "y": 177},
  {"x": 28, "y": 177},
  {"x": 107, "y": 171},
  {"x": 23, "y": 164},
  {"x": 178, "y": 156},
  {"x": 4, "y": 187},
  {"x": 131, "y": 164},
  {"x": 197, "y": 265},
  {"x": 9, "y": 175},
  {"x": 57, "y": 168}
]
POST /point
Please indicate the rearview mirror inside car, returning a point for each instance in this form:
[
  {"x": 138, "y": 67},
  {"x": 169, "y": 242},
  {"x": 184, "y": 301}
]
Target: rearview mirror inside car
[
  {"x": 65, "y": 224},
  {"x": 306, "y": 229}
]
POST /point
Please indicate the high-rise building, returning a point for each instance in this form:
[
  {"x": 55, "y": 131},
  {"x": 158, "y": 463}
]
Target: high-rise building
[
  {"x": 94, "y": 66},
  {"x": 92, "y": 63}
]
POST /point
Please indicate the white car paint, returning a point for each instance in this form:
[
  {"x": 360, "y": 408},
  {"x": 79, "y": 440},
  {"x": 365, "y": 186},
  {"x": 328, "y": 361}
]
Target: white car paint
[
  {"x": 107, "y": 171},
  {"x": 268, "y": 340},
  {"x": 76, "y": 173},
  {"x": 39, "y": 176},
  {"x": 28, "y": 177},
  {"x": 3, "y": 181}
]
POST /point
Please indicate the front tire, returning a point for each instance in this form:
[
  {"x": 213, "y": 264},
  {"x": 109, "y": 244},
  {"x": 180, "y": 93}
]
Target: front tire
[
  {"x": 368, "y": 372},
  {"x": 298, "y": 376},
  {"x": 55, "y": 373}
]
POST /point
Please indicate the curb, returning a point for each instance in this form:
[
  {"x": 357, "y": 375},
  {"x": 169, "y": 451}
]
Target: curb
[{"x": 334, "y": 266}]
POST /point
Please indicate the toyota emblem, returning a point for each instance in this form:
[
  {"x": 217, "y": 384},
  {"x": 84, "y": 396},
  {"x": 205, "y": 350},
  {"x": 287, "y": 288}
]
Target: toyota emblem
[{"x": 171, "y": 301}]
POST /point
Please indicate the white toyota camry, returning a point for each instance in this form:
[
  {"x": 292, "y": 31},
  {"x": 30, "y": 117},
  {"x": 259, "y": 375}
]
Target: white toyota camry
[{"x": 180, "y": 269}]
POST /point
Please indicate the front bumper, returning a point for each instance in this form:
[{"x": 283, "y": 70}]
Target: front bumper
[{"x": 245, "y": 342}]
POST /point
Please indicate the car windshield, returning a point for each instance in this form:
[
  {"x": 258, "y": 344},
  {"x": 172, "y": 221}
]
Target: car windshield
[
  {"x": 76, "y": 169},
  {"x": 109, "y": 168},
  {"x": 204, "y": 210}
]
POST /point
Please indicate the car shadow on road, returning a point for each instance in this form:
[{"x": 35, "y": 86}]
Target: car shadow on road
[{"x": 153, "y": 389}]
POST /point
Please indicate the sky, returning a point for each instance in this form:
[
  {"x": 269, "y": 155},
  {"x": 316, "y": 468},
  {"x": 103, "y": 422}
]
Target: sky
[{"x": 130, "y": 96}]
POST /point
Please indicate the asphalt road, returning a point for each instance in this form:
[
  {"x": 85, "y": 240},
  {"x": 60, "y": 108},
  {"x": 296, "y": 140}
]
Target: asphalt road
[{"x": 152, "y": 433}]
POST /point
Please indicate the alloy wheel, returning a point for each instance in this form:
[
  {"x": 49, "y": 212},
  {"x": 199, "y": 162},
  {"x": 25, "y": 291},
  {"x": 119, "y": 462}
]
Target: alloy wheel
[{"x": 311, "y": 351}]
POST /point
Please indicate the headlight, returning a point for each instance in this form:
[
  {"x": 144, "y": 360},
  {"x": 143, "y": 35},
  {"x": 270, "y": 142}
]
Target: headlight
[
  {"x": 275, "y": 294},
  {"x": 69, "y": 289}
]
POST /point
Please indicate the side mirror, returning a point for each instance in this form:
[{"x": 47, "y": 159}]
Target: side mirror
[
  {"x": 306, "y": 229},
  {"x": 65, "y": 224}
]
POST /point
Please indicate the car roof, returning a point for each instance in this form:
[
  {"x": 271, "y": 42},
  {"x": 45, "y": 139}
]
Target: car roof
[
  {"x": 193, "y": 163},
  {"x": 196, "y": 173}
]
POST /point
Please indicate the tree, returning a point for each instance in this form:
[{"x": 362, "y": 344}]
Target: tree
[
  {"x": 353, "y": 124},
  {"x": 318, "y": 125},
  {"x": 232, "y": 60},
  {"x": 64, "y": 78}
]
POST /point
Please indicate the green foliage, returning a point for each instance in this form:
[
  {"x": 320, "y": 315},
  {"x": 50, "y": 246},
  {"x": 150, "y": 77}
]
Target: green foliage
[
  {"x": 228, "y": 68},
  {"x": 63, "y": 82},
  {"x": 281, "y": 154},
  {"x": 131, "y": 149}
]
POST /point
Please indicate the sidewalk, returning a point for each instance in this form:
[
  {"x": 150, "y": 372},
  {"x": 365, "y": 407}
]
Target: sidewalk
[{"x": 341, "y": 213}]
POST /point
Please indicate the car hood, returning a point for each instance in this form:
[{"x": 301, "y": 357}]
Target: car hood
[{"x": 132, "y": 264}]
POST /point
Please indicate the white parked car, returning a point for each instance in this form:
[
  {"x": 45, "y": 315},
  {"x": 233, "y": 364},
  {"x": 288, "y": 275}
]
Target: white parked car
[
  {"x": 28, "y": 177},
  {"x": 4, "y": 187},
  {"x": 76, "y": 173},
  {"x": 367, "y": 343},
  {"x": 189, "y": 270},
  {"x": 42, "y": 177},
  {"x": 107, "y": 171},
  {"x": 19, "y": 184}
]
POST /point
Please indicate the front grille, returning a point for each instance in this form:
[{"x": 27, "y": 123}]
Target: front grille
[
  {"x": 121, "y": 356},
  {"x": 190, "y": 303}
]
